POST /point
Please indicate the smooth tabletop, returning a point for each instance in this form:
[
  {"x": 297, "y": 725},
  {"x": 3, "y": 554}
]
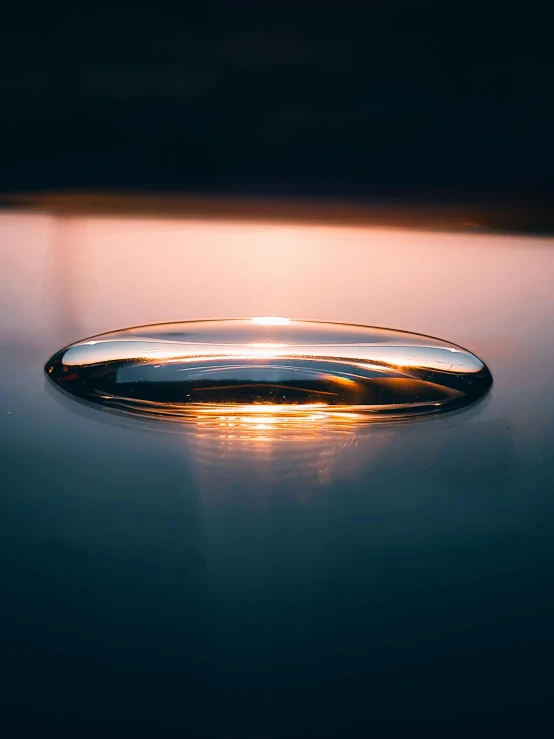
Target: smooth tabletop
[{"x": 166, "y": 579}]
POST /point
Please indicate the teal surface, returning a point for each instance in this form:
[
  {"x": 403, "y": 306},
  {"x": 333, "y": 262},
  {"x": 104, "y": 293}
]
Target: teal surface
[{"x": 161, "y": 579}]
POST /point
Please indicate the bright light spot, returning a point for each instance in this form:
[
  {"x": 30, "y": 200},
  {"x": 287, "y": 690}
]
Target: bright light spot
[
  {"x": 271, "y": 321},
  {"x": 266, "y": 345}
]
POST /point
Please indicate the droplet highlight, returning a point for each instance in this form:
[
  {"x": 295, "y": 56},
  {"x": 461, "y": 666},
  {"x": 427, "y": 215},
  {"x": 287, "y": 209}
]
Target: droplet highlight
[{"x": 269, "y": 365}]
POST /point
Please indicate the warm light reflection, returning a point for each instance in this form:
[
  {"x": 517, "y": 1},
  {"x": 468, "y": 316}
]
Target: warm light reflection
[
  {"x": 266, "y": 345},
  {"x": 275, "y": 444},
  {"x": 272, "y": 428},
  {"x": 362, "y": 356},
  {"x": 270, "y": 321},
  {"x": 274, "y": 447}
]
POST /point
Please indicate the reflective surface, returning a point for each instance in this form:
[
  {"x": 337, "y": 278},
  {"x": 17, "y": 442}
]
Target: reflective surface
[
  {"x": 250, "y": 366},
  {"x": 250, "y": 577}
]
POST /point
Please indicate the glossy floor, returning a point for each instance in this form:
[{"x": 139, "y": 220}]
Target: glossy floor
[{"x": 253, "y": 578}]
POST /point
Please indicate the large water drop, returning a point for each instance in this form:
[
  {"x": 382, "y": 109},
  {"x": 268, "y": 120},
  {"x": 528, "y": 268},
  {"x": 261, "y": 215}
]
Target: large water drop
[{"x": 269, "y": 364}]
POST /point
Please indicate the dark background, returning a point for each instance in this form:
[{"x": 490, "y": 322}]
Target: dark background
[{"x": 407, "y": 99}]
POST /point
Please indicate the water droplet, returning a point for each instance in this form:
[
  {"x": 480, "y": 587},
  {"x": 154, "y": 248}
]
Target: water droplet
[{"x": 269, "y": 365}]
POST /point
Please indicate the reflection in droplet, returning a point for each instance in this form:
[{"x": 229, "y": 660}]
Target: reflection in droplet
[{"x": 271, "y": 367}]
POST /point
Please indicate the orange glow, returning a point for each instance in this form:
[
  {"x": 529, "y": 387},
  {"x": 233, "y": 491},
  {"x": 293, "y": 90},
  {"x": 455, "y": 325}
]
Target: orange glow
[{"x": 270, "y": 321}]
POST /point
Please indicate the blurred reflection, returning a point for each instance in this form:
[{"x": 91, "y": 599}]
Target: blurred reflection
[
  {"x": 64, "y": 277},
  {"x": 490, "y": 293},
  {"x": 265, "y": 449}
]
